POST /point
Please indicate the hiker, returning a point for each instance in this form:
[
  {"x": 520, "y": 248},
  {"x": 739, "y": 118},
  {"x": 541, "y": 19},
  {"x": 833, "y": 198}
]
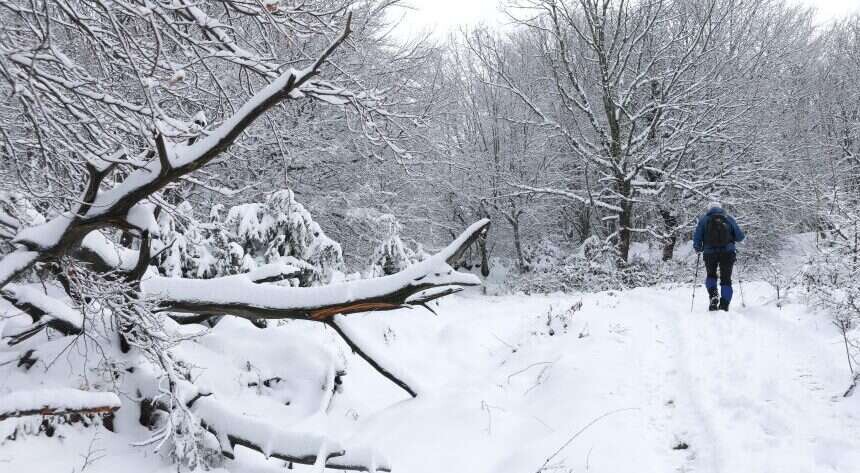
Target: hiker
[{"x": 715, "y": 237}]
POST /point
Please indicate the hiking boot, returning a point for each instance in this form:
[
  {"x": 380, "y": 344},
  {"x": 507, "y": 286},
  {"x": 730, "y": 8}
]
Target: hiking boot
[
  {"x": 715, "y": 304},
  {"x": 715, "y": 299},
  {"x": 724, "y": 305}
]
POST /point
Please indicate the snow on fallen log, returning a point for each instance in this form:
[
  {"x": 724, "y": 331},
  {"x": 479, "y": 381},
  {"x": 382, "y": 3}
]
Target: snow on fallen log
[
  {"x": 241, "y": 297},
  {"x": 59, "y": 401},
  {"x": 273, "y": 272},
  {"x": 360, "y": 459},
  {"x": 232, "y": 428}
]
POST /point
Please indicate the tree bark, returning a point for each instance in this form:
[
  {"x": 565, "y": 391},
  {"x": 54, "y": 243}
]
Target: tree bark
[
  {"x": 625, "y": 221},
  {"x": 514, "y": 221},
  {"x": 58, "y": 411},
  {"x": 670, "y": 221}
]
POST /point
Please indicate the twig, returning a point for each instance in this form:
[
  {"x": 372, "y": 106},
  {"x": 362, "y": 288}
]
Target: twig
[
  {"x": 580, "y": 431},
  {"x": 528, "y": 368}
]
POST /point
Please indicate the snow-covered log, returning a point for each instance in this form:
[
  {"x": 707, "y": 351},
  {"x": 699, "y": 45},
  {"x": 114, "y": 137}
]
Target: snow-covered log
[
  {"x": 359, "y": 459},
  {"x": 239, "y": 296},
  {"x": 59, "y": 401},
  {"x": 232, "y": 428}
]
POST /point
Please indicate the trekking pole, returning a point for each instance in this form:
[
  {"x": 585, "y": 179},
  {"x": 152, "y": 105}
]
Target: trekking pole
[
  {"x": 695, "y": 279},
  {"x": 741, "y": 287}
]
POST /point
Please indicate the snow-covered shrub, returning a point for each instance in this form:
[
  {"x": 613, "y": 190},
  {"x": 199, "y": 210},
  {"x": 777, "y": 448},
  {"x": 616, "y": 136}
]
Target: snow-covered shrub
[
  {"x": 391, "y": 255},
  {"x": 278, "y": 231},
  {"x": 174, "y": 251},
  {"x": 831, "y": 279},
  {"x": 557, "y": 321},
  {"x": 593, "y": 266}
]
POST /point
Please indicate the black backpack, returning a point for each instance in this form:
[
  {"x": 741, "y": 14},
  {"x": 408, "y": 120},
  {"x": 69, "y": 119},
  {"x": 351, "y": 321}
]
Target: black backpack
[{"x": 718, "y": 232}]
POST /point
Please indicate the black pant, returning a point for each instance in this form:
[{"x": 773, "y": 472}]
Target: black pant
[{"x": 725, "y": 261}]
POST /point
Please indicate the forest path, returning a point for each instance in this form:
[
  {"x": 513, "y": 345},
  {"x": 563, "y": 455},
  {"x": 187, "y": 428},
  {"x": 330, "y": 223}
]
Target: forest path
[
  {"x": 757, "y": 389},
  {"x": 765, "y": 384}
]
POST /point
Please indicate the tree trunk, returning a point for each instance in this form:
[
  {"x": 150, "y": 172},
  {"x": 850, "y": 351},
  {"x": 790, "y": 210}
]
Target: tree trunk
[
  {"x": 514, "y": 220},
  {"x": 481, "y": 242},
  {"x": 671, "y": 222},
  {"x": 625, "y": 221}
]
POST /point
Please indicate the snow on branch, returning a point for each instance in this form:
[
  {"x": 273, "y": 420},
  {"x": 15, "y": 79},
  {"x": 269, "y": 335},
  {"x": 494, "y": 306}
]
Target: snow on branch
[
  {"x": 105, "y": 255},
  {"x": 44, "y": 310},
  {"x": 20, "y": 295},
  {"x": 16, "y": 263},
  {"x": 59, "y": 401},
  {"x": 241, "y": 297},
  {"x": 566, "y": 195},
  {"x": 273, "y": 272}
]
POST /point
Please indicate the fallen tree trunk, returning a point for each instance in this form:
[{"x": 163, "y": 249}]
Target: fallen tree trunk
[
  {"x": 60, "y": 401},
  {"x": 232, "y": 429},
  {"x": 239, "y": 296}
]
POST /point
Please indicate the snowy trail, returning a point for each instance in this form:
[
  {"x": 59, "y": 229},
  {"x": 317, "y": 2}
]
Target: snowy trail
[
  {"x": 766, "y": 385},
  {"x": 753, "y": 390},
  {"x": 756, "y": 390}
]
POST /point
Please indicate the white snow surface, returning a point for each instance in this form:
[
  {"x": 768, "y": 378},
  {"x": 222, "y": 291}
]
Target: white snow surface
[
  {"x": 757, "y": 389},
  {"x": 59, "y": 399},
  {"x": 271, "y": 270}
]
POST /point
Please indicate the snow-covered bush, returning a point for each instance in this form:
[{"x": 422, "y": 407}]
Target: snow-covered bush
[
  {"x": 557, "y": 321},
  {"x": 593, "y": 266},
  {"x": 279, "y": 231},
  {"x": 391, "y": 255},
  {"x": 831, "y": 279}
]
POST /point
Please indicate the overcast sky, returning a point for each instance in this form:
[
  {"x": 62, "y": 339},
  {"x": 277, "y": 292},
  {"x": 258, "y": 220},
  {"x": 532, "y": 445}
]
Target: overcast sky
[{"x": 442, "y": 15}]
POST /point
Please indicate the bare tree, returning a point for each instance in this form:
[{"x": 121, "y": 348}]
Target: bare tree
[{"x": 643, "y": 96}]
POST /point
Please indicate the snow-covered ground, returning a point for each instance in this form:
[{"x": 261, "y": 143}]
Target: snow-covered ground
[{"x": 630, "y": 377}]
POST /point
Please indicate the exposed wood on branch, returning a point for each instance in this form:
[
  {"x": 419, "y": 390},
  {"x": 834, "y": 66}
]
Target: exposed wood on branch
[
  {"x": 59, "y": 411},
  {"x": 57, "y": 401}
]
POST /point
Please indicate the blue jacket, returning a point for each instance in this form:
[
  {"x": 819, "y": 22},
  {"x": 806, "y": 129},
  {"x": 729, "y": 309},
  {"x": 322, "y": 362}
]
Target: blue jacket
[{"x": 699, "y": 236}]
